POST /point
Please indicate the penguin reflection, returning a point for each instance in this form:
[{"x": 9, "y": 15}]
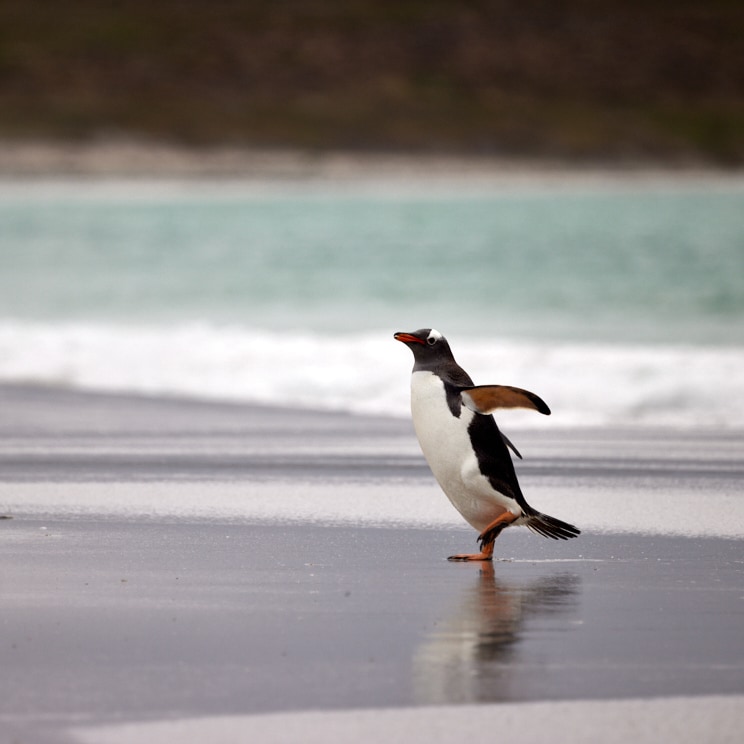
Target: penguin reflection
[{"x": 469, "y": 656}]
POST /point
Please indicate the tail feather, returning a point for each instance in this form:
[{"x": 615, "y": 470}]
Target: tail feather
[{"x": 551, "y": 527}]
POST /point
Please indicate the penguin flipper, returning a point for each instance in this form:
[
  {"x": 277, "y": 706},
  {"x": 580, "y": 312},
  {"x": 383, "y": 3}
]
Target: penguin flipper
[{"x": 485, "y": 399}]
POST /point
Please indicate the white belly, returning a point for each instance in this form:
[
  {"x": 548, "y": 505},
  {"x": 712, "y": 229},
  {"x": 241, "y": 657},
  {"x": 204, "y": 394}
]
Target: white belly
[{"x": 445, "y": 442}]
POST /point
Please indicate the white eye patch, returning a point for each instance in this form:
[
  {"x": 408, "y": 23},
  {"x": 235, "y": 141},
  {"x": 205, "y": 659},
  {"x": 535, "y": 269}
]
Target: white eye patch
[{"x": 433, "y": 336}]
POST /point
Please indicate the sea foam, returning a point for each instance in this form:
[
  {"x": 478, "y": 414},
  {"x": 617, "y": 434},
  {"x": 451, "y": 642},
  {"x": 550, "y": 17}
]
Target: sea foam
[{"x": 584, "y": 384}]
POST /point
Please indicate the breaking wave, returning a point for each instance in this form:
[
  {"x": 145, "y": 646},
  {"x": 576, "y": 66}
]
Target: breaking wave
[{"x": 584, "y": 384}]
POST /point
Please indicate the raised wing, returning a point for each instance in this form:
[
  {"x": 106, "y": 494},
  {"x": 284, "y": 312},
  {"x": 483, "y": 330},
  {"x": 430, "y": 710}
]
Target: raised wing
[{"x": 486, "y": 399}]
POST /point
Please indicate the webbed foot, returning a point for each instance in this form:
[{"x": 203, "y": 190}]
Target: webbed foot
[{"x": 472, "y": 556}]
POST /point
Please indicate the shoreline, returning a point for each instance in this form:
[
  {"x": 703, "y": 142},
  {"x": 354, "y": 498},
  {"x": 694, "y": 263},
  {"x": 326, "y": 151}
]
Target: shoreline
[
  {"x": 133, "y": 159},
  {"x": 196, "y": 570}
]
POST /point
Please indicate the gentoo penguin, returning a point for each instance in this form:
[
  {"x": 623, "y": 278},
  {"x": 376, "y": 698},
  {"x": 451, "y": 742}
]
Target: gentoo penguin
[{"x": 466, "y": 452}]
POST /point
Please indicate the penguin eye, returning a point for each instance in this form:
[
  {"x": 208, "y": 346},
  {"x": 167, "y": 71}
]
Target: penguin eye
[{"x": 431, "y": 341}]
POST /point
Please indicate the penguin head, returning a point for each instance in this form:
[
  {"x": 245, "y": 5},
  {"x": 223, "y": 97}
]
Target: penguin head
[{"x": 429, "y": 347}]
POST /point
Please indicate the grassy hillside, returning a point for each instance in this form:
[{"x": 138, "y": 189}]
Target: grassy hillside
[{"x": 580, "y": 78}]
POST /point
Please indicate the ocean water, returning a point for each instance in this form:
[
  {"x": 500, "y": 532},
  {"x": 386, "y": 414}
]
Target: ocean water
[{"x": 617, "y": 300}]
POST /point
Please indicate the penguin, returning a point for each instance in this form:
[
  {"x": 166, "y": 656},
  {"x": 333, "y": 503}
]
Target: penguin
[{"x": 467, "y": 453}]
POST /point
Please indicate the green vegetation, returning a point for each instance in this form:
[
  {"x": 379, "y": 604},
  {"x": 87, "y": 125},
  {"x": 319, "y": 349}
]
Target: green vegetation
[{"x": 581, "y": 78}]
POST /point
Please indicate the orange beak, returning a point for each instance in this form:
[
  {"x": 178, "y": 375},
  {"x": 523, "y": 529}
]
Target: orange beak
[{"x": 407, "y": 338}]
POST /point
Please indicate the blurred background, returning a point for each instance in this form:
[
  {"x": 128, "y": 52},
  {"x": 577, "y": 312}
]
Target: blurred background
[
  {"x": 225, "y": 199},
  {"x": 603, "y": 79}
]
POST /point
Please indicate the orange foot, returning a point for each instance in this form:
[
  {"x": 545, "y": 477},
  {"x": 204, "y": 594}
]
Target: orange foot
[
  {"x": 494, "y": 529},
  {"x": 486, "y": 554},
  {"x": 471, "y": 557}
]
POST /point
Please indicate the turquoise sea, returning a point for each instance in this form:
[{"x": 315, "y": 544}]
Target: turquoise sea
[{"x": 617, "y": 300}]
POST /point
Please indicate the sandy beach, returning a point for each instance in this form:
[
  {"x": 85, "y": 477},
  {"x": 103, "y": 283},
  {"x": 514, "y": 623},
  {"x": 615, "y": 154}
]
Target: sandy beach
[{"x": 186, "y": 570}]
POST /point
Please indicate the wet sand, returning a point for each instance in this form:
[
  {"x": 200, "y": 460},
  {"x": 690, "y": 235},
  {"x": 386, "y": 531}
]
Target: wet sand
[{"x": 179, "y": 570}]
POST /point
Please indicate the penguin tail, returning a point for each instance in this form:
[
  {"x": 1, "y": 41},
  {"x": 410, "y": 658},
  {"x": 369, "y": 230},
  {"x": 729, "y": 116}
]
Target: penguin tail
[{"x": 551, "y": 527}]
